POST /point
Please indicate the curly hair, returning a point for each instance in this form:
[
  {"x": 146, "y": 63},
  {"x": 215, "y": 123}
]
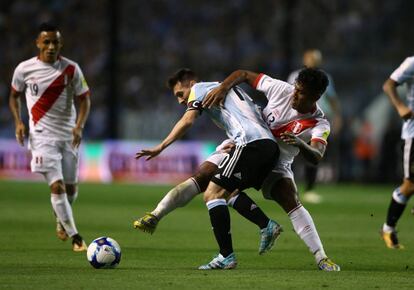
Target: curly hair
[{"x": 314, "y": 81}]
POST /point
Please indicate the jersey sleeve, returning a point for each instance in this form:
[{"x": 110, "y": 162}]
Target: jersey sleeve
[
  {"x": 330, "y": 89},
  {"x": 271, "y": 87},
  {"x": 17, "y": 83},
  {"x": 79, "y": 83},
  {"x": 321, "y": 131},
  {"x": 404, "y": 72}
]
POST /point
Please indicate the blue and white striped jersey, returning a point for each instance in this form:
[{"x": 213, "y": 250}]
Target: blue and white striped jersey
[{"x": 239, "y": 117}]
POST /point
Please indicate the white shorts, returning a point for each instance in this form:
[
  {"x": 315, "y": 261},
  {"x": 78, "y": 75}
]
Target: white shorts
[
  {"x": 217, "y": 156},
  {"x": 282, "y": 169},
  {"x": 56, "y": 160}
]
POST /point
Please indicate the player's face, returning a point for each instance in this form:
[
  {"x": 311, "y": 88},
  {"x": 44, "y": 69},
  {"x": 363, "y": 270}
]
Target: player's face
[
  {"x": 49, "y": 44},
  {"x": 182, "y": 91},
  {"x": 302, "y": 101}
]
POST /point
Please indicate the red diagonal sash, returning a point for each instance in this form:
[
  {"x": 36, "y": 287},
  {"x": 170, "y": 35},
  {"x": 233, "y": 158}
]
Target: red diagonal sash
[
  {"x": 50, "y": 95},
  {"x": 296, "y": 127}
]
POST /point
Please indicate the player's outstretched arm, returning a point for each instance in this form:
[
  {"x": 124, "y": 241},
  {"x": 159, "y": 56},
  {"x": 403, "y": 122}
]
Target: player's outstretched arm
[
  {"x": 218, "y": 94},
  {"x": 14, "y": 104},
  {"x": 390, "y": 89},
  {"x": 186, "y": 121}
]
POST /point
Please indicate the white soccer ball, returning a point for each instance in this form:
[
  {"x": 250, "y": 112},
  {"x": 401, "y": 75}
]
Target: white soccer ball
[{"x": 104, "y": 252}]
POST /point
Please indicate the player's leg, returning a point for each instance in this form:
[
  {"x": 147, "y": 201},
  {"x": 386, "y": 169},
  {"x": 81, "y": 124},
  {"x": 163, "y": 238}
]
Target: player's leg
[
  {"x": 215, "y": 198},
  {"x": 399, "y": 199},
  {"x": 270, "y": 230},
  {"x": 244, "y": 167},
  {"x": 183, "y": 193},
  {"x": 70, "y": 169},
  {"x": 283, "y": 190},
  {"x": 177, "y": 197},
  {"x": 72, "y": 192},
  {"x": 310, "y": 195}
]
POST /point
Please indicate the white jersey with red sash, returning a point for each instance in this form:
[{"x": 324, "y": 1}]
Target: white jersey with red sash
[
  {"x": 50, "y": 90},
  {"x": 281, "y": 117}
]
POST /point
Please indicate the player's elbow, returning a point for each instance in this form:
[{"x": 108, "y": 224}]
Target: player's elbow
[{"x": 388, "y": 85}]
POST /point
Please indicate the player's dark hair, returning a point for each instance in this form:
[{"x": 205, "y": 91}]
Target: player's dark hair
[
  {"x": 314, "y": 81},
  {"x": 47, "y": 26},
  {"x": 182, "y": 75}
]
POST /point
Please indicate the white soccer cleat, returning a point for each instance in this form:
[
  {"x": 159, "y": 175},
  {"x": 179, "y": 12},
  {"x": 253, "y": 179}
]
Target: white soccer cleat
[{"x": 220, "y": 263}]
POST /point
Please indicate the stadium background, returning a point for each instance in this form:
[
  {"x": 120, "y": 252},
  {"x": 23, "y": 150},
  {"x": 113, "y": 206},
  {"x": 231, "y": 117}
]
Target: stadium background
[{"x": 128, "y": 48}]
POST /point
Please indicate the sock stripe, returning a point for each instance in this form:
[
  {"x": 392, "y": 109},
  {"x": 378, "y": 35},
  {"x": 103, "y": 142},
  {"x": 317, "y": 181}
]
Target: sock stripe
[
  {"x": 215, "y": 202},
  {"x": 296, "y": 208}
]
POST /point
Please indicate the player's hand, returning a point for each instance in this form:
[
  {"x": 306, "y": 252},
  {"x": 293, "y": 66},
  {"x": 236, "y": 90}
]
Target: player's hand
[
  {"x": 151, "y": 153},
  {"x": 77, "y": 136},
  {"x": 227, "y": 147},
  {"x": 215, "y": 97},
  {"x": 20, "y": 129},
  {"x": 405, "y": 112},
  {"x": 291, "y": 139}
]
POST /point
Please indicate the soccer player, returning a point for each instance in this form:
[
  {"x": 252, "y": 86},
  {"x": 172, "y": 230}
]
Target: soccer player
[
  {"x": 403, "y": 74},
  {"x": 50, "y": 83},
  {"x": 295, "y": 119},
  {"x": 246, "y": 165},
  {"x": 184, "y": 192},
  {"x": 329, "y": 103}
]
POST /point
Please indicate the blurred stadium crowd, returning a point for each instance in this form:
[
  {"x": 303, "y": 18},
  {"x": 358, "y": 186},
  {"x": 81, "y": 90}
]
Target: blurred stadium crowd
[{"x": 362, "y": 43}]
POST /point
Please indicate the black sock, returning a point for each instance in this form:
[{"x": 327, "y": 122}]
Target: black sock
[
  {"x": 310, "y": 176},
  {"x": 248, "y": 208},
  {"x": 395, "y": 211},
  {"x": 220, "y": 220}
]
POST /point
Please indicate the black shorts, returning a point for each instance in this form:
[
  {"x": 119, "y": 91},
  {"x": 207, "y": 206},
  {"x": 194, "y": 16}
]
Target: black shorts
[
  {"x": 408, "y": 159},
  {"x": 247, "y": 166}
]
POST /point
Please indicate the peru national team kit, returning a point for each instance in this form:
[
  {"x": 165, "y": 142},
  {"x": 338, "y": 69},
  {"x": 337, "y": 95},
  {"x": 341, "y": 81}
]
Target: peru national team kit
[
  {"x": 50, "y": 90},
  {"x": 281, "y": 117}
]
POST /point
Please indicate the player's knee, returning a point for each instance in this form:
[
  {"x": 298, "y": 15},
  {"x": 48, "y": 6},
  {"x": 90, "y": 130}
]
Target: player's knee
[
  {"x": 204, "y": 175},
  {"x": 57, "y": 187},
  {"x": 210, "y": 195},
  {"x": 202, "y": 180},
  {"x": 71, "y": 189},
  {"x": 407, "y": 188}
]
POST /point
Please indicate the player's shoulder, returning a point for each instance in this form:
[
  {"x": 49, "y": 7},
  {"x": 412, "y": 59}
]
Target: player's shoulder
[
  {"x": 269, "y": 79},
  {"x": 27, "y": 63},
  {"x": 408, "y": 62},
  {"x": 68, "y": 61},
  {"x": 205, "y": 85},
  {"x": 320, "y": 116}
]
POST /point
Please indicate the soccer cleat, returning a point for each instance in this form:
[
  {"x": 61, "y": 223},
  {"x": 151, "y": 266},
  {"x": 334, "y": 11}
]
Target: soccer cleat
[
  {"x": 78, "y": 244},
  {"x": 220, "y": 263},
  {"x": 327, "y": 265},
  {"x": 60, "y": 231},
  {"x": 148, "y": 223},
  {"x": 391, "y": 240},
  {"x": 268, "y": 236}
]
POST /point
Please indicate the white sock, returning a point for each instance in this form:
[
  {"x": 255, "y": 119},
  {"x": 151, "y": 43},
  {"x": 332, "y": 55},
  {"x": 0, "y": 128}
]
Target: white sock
[
  {"x": 63, "y": 211},
  {"x": 179, "y": 196},
  {"x": 305, "y": 228},
  {"x": 387, "y": 229},
  {"x": 72, "y": 198}
]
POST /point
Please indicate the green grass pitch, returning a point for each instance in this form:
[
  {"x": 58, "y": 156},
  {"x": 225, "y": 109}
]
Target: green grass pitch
[{"x": 348, "y": 221}]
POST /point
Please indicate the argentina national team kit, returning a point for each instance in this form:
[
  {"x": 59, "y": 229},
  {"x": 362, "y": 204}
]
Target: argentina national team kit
[{"x": 256, "y": 150}]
